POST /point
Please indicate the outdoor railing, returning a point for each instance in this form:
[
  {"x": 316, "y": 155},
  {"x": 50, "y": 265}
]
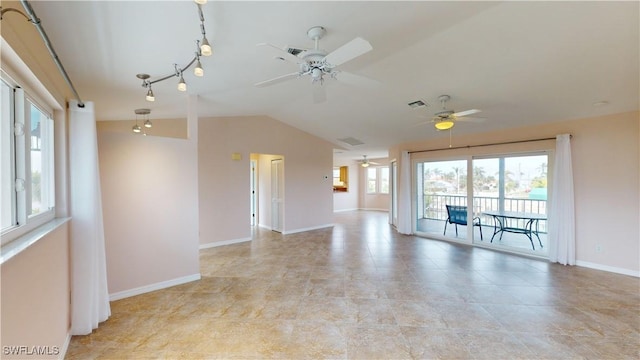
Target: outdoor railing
[{"x": 435, "y": 208}]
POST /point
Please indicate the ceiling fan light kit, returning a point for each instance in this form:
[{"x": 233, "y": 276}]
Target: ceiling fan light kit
[
  {"x": 444, "y": 124},
  {"x": 203, "y": 48}
]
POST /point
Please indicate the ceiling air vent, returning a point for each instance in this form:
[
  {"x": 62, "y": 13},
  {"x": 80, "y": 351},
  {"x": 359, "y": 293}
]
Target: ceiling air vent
[
  {"x": 351, "y": 141},
  {"x": 294, "y": 51},
  {"x": 417, "y": 104}
]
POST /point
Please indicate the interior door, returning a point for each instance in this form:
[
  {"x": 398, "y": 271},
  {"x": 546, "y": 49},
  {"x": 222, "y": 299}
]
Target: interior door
[
  {"x": 253, "y": 189},
  {"x": 277, "y": 194}
]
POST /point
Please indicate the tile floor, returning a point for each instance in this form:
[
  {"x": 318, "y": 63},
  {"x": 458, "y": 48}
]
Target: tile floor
[{"x": 362, "y": 291}]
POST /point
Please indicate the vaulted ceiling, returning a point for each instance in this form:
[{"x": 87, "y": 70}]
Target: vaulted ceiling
[{"x": 521, "y": 63}]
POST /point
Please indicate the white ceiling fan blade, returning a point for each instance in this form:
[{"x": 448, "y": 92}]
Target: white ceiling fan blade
[
  {"x": 348, "y": 51},
  {"x": 357, "y": 80},
  {"x": 280, "y": 53},
  {"x": 466, "y": 112},
  {"x": 277, "y": 80},
  {"x": 319, "y": 94}
]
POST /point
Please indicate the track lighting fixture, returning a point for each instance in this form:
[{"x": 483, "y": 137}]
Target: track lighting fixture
[
  {"x": 198, "y": 71},
  {"x": 182, "y": 86},
  {"x": 150, "y": 96},
  {"x": 147, "y": 123},
  {"x": 203, "y": 49}
]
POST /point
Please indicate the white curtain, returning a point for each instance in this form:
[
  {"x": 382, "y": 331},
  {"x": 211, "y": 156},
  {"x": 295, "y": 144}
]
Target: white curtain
[
  {"x": 404, "y": 195},
  {"x": 562, "y": 240},
  {"x": 89, "y": 293}
]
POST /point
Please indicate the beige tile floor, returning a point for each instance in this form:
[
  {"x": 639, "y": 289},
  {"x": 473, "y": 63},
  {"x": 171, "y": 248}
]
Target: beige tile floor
[{"x": 362, "y": 291}]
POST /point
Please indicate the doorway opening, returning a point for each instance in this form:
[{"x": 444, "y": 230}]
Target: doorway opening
[{"x": 266, "y": 192}]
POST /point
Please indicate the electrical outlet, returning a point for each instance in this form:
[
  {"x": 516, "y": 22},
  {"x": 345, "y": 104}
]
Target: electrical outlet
[{"x": 598, "y": 248}]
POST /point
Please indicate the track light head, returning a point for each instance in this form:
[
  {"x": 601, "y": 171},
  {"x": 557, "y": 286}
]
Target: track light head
[
  {"x": 182, "y": 86},
  {"x": 205, "y": 48},
  {"x": 198, "y": 71},
  {"x": 150, "y": 96}
]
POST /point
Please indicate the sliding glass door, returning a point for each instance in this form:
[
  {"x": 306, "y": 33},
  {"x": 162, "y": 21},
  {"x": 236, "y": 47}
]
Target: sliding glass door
[
  {"x": 511, "y": 195},
  {"x": 492, "y": 201},
  {"x": 441, "y": 200}
]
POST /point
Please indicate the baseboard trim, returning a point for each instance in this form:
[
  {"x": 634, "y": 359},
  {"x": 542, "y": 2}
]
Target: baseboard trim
[
  {"x": 345, "y": 210},
  {"x": 65, "y": 347},
  {"x": 222, "y": 243},
  {"x": 612, "y": 269},
  {"x": 153, "y": 287},
  {"x": 374, "y": 209},
  {"x": 287, "y": 232}
]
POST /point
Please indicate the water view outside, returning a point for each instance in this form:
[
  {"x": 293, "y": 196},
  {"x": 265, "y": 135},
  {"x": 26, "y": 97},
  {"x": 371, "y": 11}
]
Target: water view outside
[{"x": 512, "y": 184}]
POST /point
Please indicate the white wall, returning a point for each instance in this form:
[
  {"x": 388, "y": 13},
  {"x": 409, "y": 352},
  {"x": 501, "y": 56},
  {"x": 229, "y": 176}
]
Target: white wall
[
  {"x": 224, "y": 183},
  {"x": 35, "y": 295},
  {"x": 606, "y": 170},
  {"x": 150, "y": 207}
]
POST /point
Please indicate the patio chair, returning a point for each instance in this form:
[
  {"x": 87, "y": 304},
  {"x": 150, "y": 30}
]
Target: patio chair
[{"x": 457, "y": 215}]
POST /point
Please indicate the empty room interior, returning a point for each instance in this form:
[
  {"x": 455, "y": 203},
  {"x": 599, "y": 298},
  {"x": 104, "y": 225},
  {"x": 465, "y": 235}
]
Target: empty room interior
[{"x": 320, "y": 180}]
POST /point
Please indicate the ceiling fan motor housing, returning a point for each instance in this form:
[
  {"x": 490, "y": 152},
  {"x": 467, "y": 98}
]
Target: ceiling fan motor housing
[{"x": 444, "y": 114}]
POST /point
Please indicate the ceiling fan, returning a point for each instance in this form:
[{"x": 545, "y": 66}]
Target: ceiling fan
[
  {"x": 365, "y": 162},
  {"x": 446, "y": 119},
  {"x": 318, "y": 64}
]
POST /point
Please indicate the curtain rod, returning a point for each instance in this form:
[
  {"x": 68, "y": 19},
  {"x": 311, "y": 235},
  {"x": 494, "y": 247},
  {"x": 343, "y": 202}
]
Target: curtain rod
[
  {"x": 32, "y": 18},
  {"x": 482, "y": 145}
]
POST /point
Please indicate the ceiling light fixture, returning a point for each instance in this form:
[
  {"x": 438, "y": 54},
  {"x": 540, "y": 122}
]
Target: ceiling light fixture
[
  {"x": 147, "y": 123},
  {"x": 365, "y": 164},
  {"x": 203, "y": 49},
  {"x": 150, "y": 96},
  {"x": 198, "y": 71},
  {"x": 182, "y": 86},
  {"x": 444, "y": 124}
]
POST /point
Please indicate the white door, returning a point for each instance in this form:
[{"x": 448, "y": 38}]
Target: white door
[
  {"x": 277, "y": 193},
  {"x": 252, "y": 189}
]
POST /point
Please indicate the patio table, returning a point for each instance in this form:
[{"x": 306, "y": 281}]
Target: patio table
[{"x": 500, "y": 224}]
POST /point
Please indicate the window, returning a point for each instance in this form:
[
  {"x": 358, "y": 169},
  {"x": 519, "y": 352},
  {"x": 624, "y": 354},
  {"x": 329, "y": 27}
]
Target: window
[
  {"x": 384, "y": 180},
  {"x": 27, "y": 163},
  {"x": 378, "y": 180},
  {"x": 7, "y": 161}
]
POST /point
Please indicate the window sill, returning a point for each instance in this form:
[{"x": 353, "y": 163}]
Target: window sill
[{"x": 20, "y": 244}]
